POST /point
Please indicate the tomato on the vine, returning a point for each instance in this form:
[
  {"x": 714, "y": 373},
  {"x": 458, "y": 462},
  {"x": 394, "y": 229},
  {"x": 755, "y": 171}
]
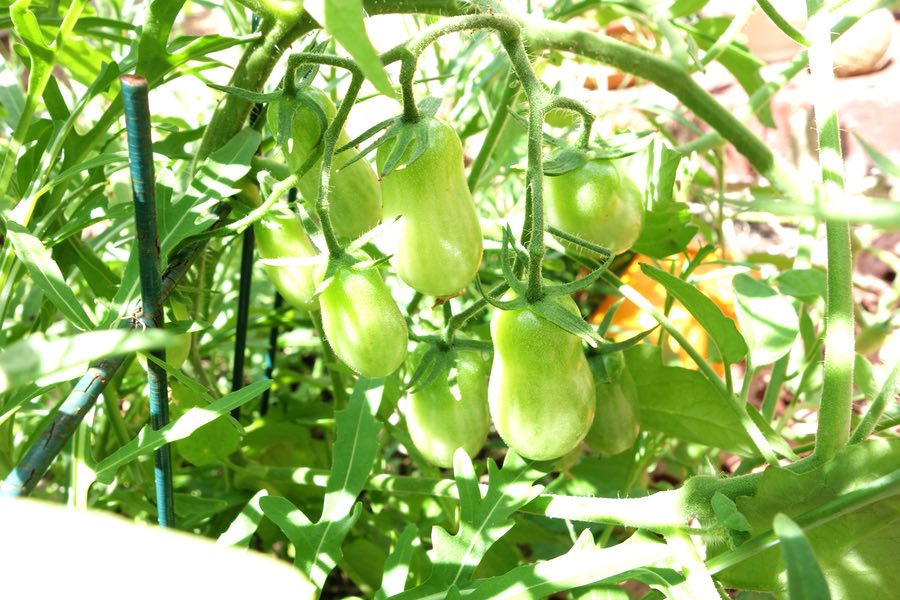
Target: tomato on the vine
[
  {"x": 615, "y": 425},
  {"x": 362, "y": 323},
  {"x": 355, "y": 200},
  {"x": 438, "y": 240},
  {"x": 541, "y": 390},
  {"x": 597, "y": 202},
  {"x": 440, "y": 421},
  {"x": 280, "y": 234}
]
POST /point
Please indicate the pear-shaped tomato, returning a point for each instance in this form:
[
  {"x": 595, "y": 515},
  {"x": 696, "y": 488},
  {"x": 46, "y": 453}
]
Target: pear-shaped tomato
[
  {"x": 437, "y": 242},
  {"x": 596, "y": 202},
  {"x": 541, "y": 390},
  {"x": 615, "y": 425},
  {"x": 440, "y": 420},
  {"x": 355, "y": 200},
  {"x": 362, "y": 323},
  {"x": 280, "y": 234}
]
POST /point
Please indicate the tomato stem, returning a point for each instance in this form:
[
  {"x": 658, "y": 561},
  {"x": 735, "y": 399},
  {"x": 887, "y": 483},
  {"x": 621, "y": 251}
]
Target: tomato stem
[{"x": 837, "y": 387}]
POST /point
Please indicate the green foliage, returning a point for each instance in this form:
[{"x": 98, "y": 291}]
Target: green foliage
[{"x": 324, "y": 469}]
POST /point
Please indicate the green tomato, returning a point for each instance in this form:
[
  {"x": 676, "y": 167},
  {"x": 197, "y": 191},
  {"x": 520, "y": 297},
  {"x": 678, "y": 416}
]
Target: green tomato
[
  {"x": 438, "y": 241},
  {"x": 440, "y": 421},
  {"x": 362, "y": 323},
  {"x": 280, "y": 234},
  {"x": 541, "y": 391},
  {"x": 178, "y": 353},
  {"x": 355, "y": 200},
  {"x": 598, "y": 203},
  {"x": 615, "y": 425}
]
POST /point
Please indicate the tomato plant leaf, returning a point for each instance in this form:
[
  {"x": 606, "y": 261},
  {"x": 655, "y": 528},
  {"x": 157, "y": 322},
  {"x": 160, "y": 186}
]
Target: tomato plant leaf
[
  {"x": 345, "y": 21},
  {"x": 805, "y": 578},
  {"x": 882, "y": 161},
  {"x": 149, "y": 440},
  {"x": 667, "y": 223},
  {"x": 215, "y": 180},
  {"x": 849, "y": 548},
  {"x": 36, "y": 357},
  {"x": 720, "y": 328},
  {"x": 736, "y": 57},
  {"x": 249, "y": 95},
  {"x": 727, "y": 513},
  {"x": 396, "y": 567},
  {"x": 585, "y": 563},
  {"x": 241, "y": 530},
  {"x": 550, "y": 309},
  {"x": 807, "y": 285},
  {"x": 768, "y": 320},
  {"x": 684, "y": 404},
  {"x": 354, "y": 449},
  {"x": 564, "y": 160},
  {"x": 484, "y": 519},
  {"x": 318, "y": 546},
  {"x": 46, "y": 275},
  {"x": 214, "y": 441}
]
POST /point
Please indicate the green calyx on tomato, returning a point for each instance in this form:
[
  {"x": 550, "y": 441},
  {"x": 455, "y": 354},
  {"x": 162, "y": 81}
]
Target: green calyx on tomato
[
  {"x": 451, "y": 411},
  {"x": 280, "y": 235},
  {"x": 541, "y": 391},
  {"x": 437, "y": 241},
  {"x": 361, "y": 321},
  {"x": 615, "y": 425},
  {"x": 597, "y": 202},
  {"x": 298, "y": 124}
]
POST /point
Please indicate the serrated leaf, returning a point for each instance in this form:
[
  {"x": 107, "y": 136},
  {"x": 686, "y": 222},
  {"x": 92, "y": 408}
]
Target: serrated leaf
[
  {"x": 484, "y": 519},
  {"x": 805, "y": 578},
  {"x": 344, "y": 20},
  {"x": 768, "y": 320},
  {"x": 720, "y": 328},
  {"x": 317, "y": 546},
  {"x": 46, "y": 275}
]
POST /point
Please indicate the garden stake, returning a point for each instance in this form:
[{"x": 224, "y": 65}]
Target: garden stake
[
  {"x": 243, "y": 314},
  {"x": 245, "y": 282},
  {"x": 140, "y": 156},
  {"x": 22, "y": 480}
]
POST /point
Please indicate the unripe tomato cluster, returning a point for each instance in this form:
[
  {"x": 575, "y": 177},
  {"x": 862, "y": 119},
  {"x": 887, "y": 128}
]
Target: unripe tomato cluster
[{"x": 542, "y": 393}]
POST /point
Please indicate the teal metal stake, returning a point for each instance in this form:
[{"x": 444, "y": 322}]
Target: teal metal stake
[{"x": 140, "y": 155}]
